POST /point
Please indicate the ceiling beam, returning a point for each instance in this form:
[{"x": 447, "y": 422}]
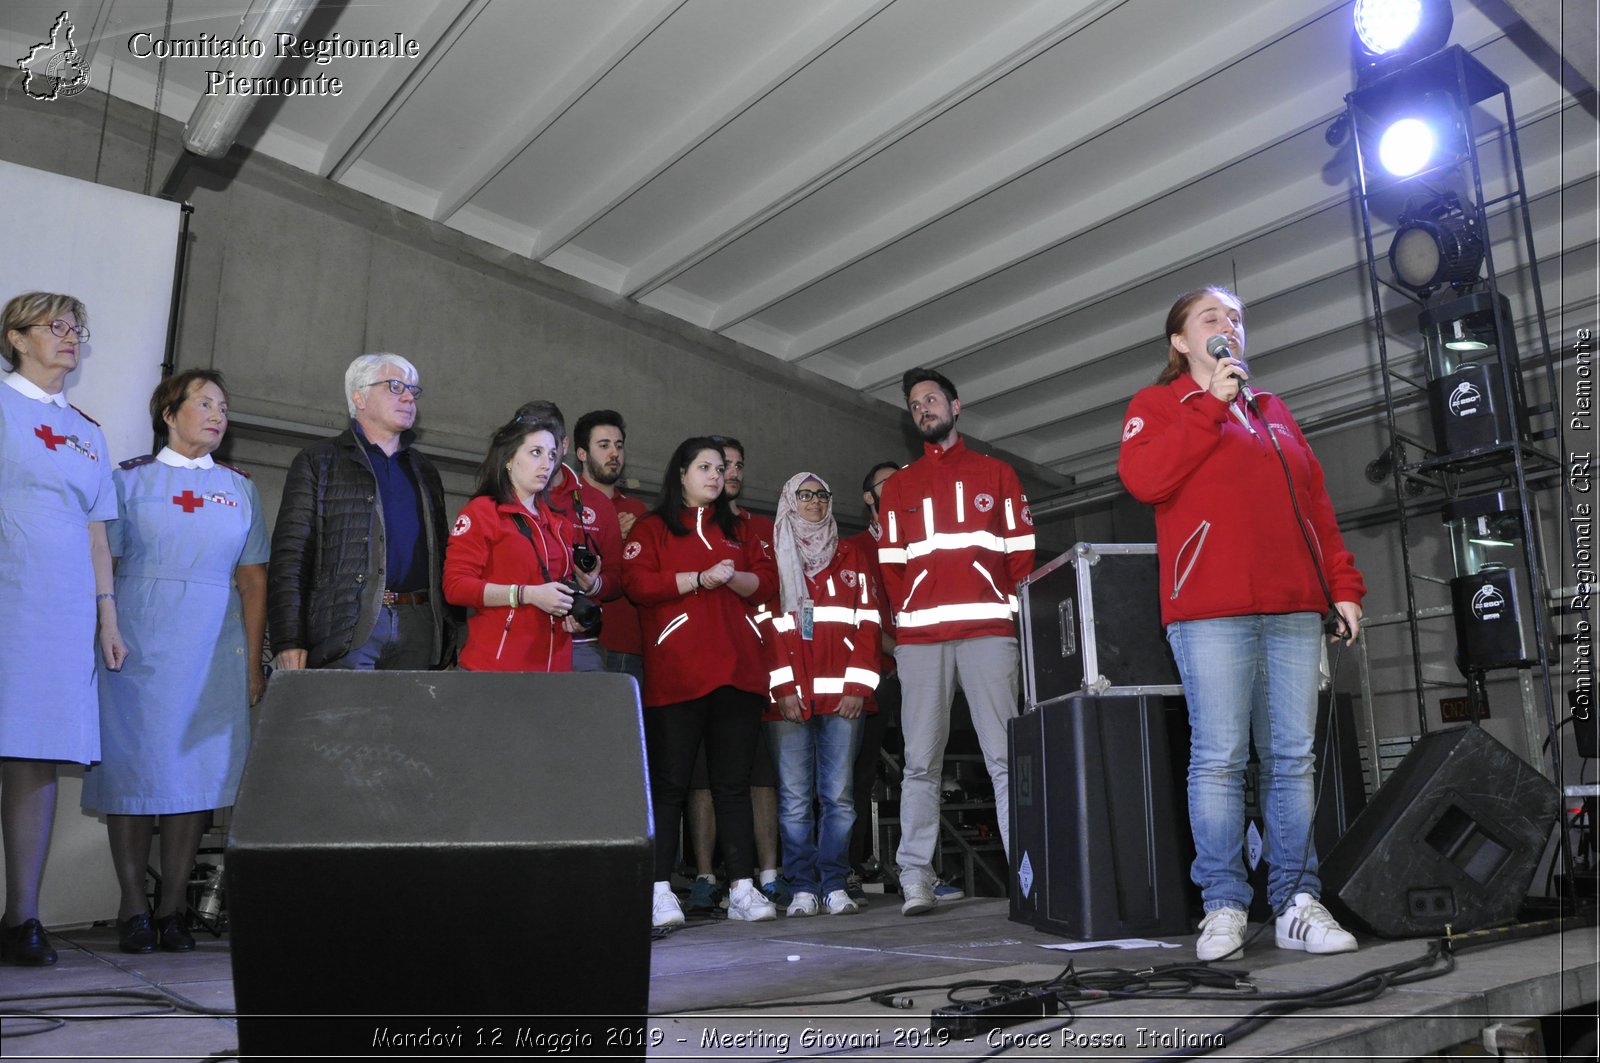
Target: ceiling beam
[
  {"x": 1564, "y": 32},
  {"x": 1320, "y": 269},
  {"x": 826, "y": 25},
  {"x": 1208, "y": 153},
  {"x": 585, "y": 71},
  {"x": 982, "y": 63},
  {"x": 447, "y": 21},
  {"x": 1265, "y": 281},
  {"x": 1149, "y": 86},
  {"x": 1283, "y": 204}
]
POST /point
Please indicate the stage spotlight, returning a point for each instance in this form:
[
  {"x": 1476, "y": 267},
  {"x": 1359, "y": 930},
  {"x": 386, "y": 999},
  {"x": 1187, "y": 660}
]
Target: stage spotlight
[
  {"x": 1384, "y": 25},
  {"x": 1406, "y": 146},
  {"x": 1392, "y": 33},
  {"x": 1460, "y": 341},
  {"x": 1436, "y": 244}
]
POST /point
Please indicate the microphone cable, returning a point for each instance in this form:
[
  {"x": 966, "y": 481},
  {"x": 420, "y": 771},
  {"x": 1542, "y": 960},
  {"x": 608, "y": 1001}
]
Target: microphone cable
[{"x": 1331, "y": 731}]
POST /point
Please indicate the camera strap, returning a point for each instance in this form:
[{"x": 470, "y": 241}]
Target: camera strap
[
  {"x": 583, "y": 525},
  {"x": 538, "y": 555}
]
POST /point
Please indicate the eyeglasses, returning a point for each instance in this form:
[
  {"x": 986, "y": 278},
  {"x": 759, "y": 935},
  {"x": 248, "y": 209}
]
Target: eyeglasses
[
  {"x": 807, "y": 495},
  {"x": 397, "y": 387},
  {"x": 60, "y": 328}
]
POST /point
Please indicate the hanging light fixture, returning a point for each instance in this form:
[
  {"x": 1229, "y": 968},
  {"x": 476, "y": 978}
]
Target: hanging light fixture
[
  {"x": 217, "y": 120},
  {"x": 1436, "y": 244}
]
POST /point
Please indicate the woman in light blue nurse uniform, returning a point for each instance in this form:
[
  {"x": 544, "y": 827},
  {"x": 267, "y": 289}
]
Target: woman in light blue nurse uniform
[
  {"x": 55, "y": 577},
  {"x": 174, "y": 723}
]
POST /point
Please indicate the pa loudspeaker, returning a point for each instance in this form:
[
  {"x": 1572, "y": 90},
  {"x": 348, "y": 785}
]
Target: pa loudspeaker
[
  {"x": 1452, "y": 838},
  {"x": 415, "y": 846},
  {"x": 1095, "y": 847}
]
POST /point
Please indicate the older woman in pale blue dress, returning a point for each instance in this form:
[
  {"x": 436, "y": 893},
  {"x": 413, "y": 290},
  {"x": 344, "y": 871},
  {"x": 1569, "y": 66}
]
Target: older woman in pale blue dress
[
  {"x": 55, "y": 576},
  {"x": 191, "y": 549}
]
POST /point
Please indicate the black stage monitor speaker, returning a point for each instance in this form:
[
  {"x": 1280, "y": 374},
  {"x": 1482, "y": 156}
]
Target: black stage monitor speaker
[
  {"x": 417, "y": 846},
  {"x": 1094, "y": 827},
  {"x": 1451, "y": 839}
]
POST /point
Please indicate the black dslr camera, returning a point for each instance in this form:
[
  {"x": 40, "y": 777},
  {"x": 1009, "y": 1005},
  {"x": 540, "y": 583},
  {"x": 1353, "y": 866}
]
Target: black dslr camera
[
  {"x": 585, "y": 558},
  {"x": 585, "y": 610}
]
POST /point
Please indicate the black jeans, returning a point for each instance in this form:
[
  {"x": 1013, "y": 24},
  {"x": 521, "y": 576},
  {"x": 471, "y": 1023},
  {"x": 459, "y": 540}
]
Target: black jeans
[
  {"x": 727, "y": 721},
  {"x": 866, "y": 768}
]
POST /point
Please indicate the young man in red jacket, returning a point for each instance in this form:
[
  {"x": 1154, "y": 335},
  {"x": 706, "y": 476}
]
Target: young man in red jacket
[
  {"x": 599, "y": 443},
  {"x": 957, "y": 538}
]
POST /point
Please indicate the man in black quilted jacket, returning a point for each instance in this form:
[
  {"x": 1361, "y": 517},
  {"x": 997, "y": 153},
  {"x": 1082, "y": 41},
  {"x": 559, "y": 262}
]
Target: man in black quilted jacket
[{"x": 358, "y": 548}]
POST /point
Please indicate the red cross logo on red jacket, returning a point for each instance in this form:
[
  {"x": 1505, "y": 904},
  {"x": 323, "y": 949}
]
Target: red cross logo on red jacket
[
  {"x": 188, "y": 500},
  {"x": 51, "y": 440}
]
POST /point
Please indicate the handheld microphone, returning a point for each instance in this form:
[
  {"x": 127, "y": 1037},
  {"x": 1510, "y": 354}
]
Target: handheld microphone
[{"x": 1218, "y": 347}]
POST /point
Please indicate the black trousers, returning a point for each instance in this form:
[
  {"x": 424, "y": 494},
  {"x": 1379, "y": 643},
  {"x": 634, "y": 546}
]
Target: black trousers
[
  {"x": 866, "y": 766},
  {"x": 727, "y": 721}
]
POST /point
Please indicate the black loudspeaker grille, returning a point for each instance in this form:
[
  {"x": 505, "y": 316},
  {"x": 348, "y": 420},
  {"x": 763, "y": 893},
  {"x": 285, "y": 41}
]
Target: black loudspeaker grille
[
  {"x": 1451, "y": 840},
  {"x": 438, "y": 844}
]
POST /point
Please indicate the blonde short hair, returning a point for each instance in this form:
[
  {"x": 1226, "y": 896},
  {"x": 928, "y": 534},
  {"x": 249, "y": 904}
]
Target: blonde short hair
[{"x": 31, "y": 308}]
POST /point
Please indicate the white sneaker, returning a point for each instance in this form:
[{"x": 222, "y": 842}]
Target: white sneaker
[
  {"x": 803, "y": 904},
  {"x": 666, "y": 910},
  {"x": 1221, "y": 935},
  {"x": 1306, "y": 926},
  {"x": 840, "y": 903},
  {"x": 749, "y": 904},
  {"x": 917, "y": 899}
]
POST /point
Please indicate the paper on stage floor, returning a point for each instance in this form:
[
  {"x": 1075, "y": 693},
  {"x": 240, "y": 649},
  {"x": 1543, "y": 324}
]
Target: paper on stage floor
[{"x": 1119, "y": 943}]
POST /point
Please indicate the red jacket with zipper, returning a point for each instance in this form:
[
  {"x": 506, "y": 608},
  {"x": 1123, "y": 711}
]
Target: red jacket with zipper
[
  {"x": 582, "y": 504},
  {"x": 841, "y": 657},
  {"x": 620, "y": 633},
  {"x": 866, "y": 545},
  {"x": 486, "y": 546},
  {"x": 695, "y": 642},
  {"x": 957, "y": 539},
  {"x": 1226, "y": 534}
]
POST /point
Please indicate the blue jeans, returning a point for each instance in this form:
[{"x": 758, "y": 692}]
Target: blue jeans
[
  {"x": 588, "y": 656},
  {"x": 815, "y": 760},
  {"x": 401, "y": 640},
  {"x": 626, "y": 664},
  {"x": 1245, "y": 675}
]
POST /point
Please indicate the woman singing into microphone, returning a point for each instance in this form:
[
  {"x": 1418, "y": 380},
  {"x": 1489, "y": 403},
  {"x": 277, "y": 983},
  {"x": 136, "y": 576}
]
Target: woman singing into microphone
[{"x": 1249, "y": 565}]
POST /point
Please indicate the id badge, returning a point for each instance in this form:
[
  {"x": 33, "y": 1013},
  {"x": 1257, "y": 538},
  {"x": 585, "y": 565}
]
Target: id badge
[{"x": 807, "y": 621}]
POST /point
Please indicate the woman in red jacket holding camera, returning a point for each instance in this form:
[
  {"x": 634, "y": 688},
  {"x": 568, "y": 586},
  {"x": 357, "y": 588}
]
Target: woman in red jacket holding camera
[{"x": 510, "y": 557}]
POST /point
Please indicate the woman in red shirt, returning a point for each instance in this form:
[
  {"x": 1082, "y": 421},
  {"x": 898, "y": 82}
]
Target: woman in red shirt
[
  {"x": 690, "y": 573},
  {"x": 510, "y": 554}
]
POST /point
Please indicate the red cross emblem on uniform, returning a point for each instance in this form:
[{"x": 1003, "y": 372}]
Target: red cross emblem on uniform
[
  {"x": 188, "y": 500},
  {"x": 51, "y": 440}
]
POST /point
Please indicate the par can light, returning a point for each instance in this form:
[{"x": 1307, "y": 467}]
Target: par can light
[
  {"x": 1436, "y": 244},
  {"x": 1383, "y": 26},
  {"x": 1406, "y": 146}
]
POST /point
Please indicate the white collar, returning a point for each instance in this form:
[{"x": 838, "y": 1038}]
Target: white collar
[
  {"x": 168, "y": 456},
  {"x": 24, "y": 386}
]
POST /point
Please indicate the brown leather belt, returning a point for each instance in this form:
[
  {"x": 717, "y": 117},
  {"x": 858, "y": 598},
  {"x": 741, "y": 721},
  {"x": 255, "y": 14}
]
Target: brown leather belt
[{"x": 405, "y": 597}]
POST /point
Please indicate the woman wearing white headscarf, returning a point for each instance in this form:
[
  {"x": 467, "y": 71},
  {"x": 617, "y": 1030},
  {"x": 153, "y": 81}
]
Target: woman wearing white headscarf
[{"x": 822, "y": 645}]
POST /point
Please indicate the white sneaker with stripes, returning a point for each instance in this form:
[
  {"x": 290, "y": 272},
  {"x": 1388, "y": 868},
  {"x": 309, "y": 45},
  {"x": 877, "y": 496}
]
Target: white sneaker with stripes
[{"x": 1306, "y": 926}]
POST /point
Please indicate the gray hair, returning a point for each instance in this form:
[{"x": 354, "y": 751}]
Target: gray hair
[{"x": 365, "y": 370}]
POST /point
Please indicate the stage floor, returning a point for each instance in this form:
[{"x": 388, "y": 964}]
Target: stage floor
[{"x": 722, "y": 990}]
